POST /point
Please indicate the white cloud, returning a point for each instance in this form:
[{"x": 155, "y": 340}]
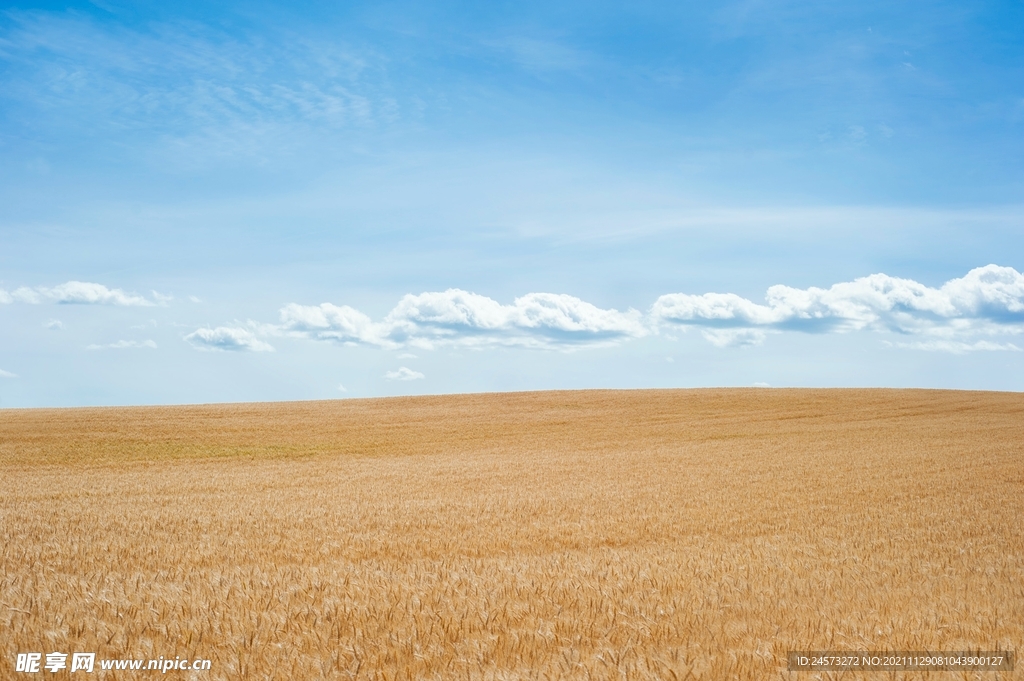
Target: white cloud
[
  {"x": 7, "y": 374},
  {"x": 539, "y": 319},
  {"x": 342, "y": 388},
  {"x": 54, "y": 325},
  {"x": 123, "y": 345},
  {"x": 986, "y": 299},
  {"x": 227, "y": 338},
  {"x": 92, "y": 294},
  {"x": 403, "y": 374},
  {"x": 80, "y": 292},
  {"x": 457, "y": 317}
]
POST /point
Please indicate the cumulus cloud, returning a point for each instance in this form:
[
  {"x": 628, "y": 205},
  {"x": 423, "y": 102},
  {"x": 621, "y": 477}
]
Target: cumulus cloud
[
  {"x": 227, "y": 338},
  {"x": 82, "y": 293},
  {"x": 457, "y": 317},
  {"x": 989, "y": 298},
  {"x": 537, "y": 319},
  {"x": 403, "y": 374},
  {"x": 123, "y": 345},
  {"x": 7, "y": 374}
]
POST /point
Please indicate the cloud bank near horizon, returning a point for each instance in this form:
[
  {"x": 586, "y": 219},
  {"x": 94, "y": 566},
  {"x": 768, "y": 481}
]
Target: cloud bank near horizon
[{"x": 986, "y": 301}]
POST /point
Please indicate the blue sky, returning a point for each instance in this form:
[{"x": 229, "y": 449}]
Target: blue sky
[{"x": 276, "y": 201}]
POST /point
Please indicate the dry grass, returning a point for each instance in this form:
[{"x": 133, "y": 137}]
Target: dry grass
[{"x": 605, "y": 535}]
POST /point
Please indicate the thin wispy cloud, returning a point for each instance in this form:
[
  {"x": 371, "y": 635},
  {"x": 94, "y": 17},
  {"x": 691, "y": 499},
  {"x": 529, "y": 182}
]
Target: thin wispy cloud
[
  {"x": 232, "y": 339},
  {"x": 733, "y": 338},
  {"x": 7, "y": 374},
  {"x": 124, "y": 345},
  {"x": 196, "y": 86},
  {"x": 538, "y": 54},
  {"x": 956, "y": 347}
]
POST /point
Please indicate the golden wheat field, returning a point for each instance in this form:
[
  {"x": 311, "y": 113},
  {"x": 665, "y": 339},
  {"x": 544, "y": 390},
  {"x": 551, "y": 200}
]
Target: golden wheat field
[{"x": 580, "y": 535}]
